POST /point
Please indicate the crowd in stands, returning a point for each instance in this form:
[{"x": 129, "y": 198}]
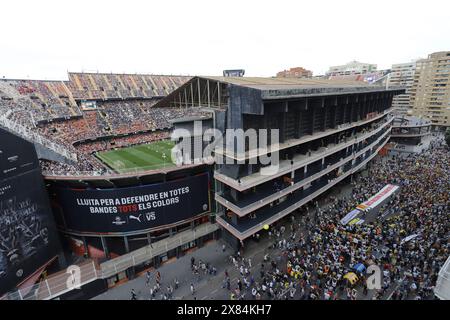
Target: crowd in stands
[
  {"x": 46, "y": 100},
  {"x": 90, "y": 147},
  {"x": 118, "y": 120},
  {"x": 115, "y": 86},
  {"x": 49, "y": 109},
  {"x": 86, "y": 165}
]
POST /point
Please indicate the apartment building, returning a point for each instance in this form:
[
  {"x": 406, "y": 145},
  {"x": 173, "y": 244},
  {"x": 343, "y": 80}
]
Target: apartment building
[
  {"x": 430, "y": 93},
  {"x": 351, "y": 68},
  {"x": 297, "y": 72},
  {"x": 402, "y": 74}
]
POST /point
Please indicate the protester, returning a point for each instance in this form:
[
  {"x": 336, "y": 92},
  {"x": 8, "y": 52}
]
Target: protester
[{"x": 317, "y": 257}]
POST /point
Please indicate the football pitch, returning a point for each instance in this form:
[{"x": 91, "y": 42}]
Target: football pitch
[{"x": 143, "y": 157}]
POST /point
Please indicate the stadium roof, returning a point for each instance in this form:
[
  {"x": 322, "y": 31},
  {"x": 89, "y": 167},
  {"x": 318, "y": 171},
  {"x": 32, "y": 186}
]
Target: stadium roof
[
  {"x": 208, "y": 90},
  {"x": 190, "y": 119},
  {"x": 285, "y": 83}
]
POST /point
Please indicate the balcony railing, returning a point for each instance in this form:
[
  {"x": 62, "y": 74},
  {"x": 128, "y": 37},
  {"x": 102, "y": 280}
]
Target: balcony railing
[
  {"x": 300, "y": 161},
  {"x": 259, "y": 226},
  {"x": 242, "y": 211},
  {"x": 294, "y": 142},
  {"x": 59, "y": 283}
]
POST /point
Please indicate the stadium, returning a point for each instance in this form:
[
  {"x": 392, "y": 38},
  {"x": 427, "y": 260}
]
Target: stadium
[
  {"x": 123, "y": 202},
  {"x": 100, "y": 132}
]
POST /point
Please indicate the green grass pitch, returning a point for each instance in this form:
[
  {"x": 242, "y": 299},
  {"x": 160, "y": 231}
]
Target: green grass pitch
[{"x": 139, "y": 158}]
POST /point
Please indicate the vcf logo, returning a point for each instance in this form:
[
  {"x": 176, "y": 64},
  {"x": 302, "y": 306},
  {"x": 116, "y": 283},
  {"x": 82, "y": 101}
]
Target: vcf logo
[{"x": 74, "y": 279}]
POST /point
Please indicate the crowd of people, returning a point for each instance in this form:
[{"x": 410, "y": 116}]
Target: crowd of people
[
  {"x": 112, "y": 86},
  {"x": 48, "y": 109},
  {"x": 311, "y": 253},
  {"x": 318, "y": 251},
  {"x": 44, "y": 99}
]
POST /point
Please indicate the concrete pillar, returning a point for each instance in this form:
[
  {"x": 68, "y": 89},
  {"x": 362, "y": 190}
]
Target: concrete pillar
[
  {"x": 105, "y": 247},
  {"x": 86, "y": 248},
  {"x": 127, "y": 247},
  {"x": 149, "y": 238},
  {"x": 62, "y": 260}
]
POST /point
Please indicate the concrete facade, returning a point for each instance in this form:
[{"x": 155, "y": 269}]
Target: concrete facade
[
  {"x": 402, "y": 74},
  {"x": 351, "y": 68},
  {"x": 297, "y": 72},
  {"x": 430, "y": 93}
]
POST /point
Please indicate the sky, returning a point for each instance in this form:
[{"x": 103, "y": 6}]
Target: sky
[{"x": 44, "y": 39}]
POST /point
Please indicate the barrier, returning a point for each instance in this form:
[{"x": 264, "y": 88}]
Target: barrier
[{"x": 60, "y": 283}]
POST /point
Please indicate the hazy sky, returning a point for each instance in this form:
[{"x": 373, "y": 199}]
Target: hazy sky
[{"x": 44, "y": 39}]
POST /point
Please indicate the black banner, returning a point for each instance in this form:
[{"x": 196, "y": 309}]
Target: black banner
[
  {"x": 16, "y": 155},
  {"x": 124, "y": 210},
  {"x": 28, "y": 237}
]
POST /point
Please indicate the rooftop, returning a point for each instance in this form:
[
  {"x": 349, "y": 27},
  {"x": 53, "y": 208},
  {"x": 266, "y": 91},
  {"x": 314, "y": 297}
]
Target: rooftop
[{"x": 277, "y": 88}]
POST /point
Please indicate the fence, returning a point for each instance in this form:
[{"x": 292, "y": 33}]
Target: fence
[
  {"x": 61, "y": 282},
  {"x": 55, "y": 285},
  {"x": 114, "y": 266}
]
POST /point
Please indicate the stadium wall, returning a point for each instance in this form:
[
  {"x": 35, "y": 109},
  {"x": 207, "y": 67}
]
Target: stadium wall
[{"x": 98, "y": 213}]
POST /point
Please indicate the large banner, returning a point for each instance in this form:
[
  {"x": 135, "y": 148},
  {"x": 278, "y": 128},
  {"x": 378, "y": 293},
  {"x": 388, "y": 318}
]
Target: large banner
[
  {"x": 16, "y": 155},
  {"x": 28, "y": 236},
  {"x": 350, "y": 216},
  {"x": 134, "y": 209},
  {"x": 382, "y": 195}
]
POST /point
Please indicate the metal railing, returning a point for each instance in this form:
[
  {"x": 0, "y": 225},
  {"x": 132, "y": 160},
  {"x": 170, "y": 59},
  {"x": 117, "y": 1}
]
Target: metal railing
[
  {"x": 117, "y": 265},
  {"x": 61, "y": 282},
  {"x": 55, "y": 285},
  {"x": 275, "y": 217}
]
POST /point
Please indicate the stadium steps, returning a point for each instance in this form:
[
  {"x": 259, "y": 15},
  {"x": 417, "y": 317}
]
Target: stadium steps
[
  {"x": 78, "y": 82},
  {"x": 119, "y": 79},
  {"x": 110, "y": 87},
  {"x": 146, "y": 83},
  {"x": 72, "y": 101},
  {"x": 55, "y": 94},
  {"x": 166, "y": 86},
  {"x": 136, "y": 87},
  {"x": 106, "y": 120},
  {"x": 155, "y": 91},
  {"x": 93, "y": 83},
  {"x": 43, "y": 100}
]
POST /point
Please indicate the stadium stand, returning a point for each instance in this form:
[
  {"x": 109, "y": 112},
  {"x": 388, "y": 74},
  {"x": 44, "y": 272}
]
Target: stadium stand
[
  {"x": 122, "y": 86},
  {"x": 122, "y": 114}
]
